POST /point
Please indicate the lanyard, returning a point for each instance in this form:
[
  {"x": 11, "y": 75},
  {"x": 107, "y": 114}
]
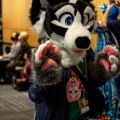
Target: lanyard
[{"x": 77, "y": 73}]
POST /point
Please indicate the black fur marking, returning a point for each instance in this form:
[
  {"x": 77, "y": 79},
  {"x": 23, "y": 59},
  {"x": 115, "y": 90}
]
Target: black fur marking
[
  {"x": 91, "y": 28},
  {"x": 35, "y": 11},
  {"x": 55, "y": 2},
  {"x": 89, "y": 3},
  {"x": 59, "y": 30},
  {"x": 50, "y": 15},
  {"x": 82, "y": 4}
]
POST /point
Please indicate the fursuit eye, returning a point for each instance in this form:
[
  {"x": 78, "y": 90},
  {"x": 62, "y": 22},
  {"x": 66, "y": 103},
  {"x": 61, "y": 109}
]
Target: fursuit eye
[
  {"x": 85, "y": 19},
  {"x": 67, "y": 19}
]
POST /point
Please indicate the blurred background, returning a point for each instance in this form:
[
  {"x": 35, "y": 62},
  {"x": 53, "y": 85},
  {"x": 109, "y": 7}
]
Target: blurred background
[{"x": 14, "y": 16}]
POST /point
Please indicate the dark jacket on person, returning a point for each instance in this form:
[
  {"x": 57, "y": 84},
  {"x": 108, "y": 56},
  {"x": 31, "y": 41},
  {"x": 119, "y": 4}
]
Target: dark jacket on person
[
  {"x": 51, "y": 102},
  {"x": 25, "y": 48}
]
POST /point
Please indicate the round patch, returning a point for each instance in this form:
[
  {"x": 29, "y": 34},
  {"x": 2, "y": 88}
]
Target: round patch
[{"x": 73, "y": 89}]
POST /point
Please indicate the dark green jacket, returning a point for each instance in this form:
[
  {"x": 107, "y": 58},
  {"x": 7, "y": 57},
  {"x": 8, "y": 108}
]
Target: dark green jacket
[{"x": 25, "y": 48}]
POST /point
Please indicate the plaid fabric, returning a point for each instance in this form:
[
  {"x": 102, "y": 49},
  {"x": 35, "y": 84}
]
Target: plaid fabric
[{"x": 118, "y": 112}]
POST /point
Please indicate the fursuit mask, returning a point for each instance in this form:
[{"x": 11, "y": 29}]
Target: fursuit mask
[{"x": 68, "y": 23}]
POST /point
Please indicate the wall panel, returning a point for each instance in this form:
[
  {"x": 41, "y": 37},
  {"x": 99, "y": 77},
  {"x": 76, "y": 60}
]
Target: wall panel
[
  {"x": 97, "y": 3},
  {"x": 15, "y": 18}
]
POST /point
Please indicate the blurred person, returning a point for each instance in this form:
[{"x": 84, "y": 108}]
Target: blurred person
[
  {"x": 19, "y": 60},
  {"x": 21, "y": 81},
  {"x": 15, "y": 48},
  {"x": 7, "y": 49},
  {"x": 114, "y": 27},
  {"x": 105, "y": 37},
  {"x": 25, "y": 48}
]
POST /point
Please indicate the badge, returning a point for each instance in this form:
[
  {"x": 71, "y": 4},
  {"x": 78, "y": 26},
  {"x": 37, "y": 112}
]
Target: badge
[
  {"x": 104, "y": 117},
  {"x": 73, "y": 89}
]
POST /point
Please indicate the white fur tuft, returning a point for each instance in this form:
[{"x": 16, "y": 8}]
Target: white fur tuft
[
  {"x": 68, "y": 60},
  {"x": 40, "y": 49},
  {"x": 113, "y": 59},
  {"x": 38, "y": 27},
  {"x": 114, "y": 68}
]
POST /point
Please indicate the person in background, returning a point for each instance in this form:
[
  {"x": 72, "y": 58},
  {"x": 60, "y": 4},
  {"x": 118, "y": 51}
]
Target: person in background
[
  {"x": 21, "y": 82},
  {"x": 15, "y": 48},
  {"x": 7, "y": 49},
  {"x": 105, "y": 37},
  {"x": 114, "y": 27},
  {"x": 25, "y": 48},
  {"x": 19, "y": 60}
]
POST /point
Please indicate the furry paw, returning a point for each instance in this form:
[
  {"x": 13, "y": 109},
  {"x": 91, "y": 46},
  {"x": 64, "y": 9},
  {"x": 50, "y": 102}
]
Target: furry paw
[
  {"x": 110, "y": 64},
  {"x": 44, "y": 55},
  {"x": 46, "y": 64},
  {"x": 106, "y": 65}
]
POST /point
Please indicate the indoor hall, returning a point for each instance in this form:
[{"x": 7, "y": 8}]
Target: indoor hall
[
  {"x": 45, "y": 71},
  {"x": 15, "y": 105}
]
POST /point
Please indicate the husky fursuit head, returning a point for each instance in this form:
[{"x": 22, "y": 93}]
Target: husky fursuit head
[{"x": 68, "y": 24}]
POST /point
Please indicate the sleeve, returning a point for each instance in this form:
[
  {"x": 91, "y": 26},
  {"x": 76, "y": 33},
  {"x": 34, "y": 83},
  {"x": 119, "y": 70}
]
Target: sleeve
[
  {"x": 114, "y": 26},
  {"x": 36, "y": 93},
  {"x": 17, "y": 49},
  {"x": 14, "y": 51}
]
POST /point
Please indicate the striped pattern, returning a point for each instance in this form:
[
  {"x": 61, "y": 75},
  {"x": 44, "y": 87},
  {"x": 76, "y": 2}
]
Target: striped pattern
[
  {"x": 14, "y": 103},
  {"x": 118, "y": 112}
]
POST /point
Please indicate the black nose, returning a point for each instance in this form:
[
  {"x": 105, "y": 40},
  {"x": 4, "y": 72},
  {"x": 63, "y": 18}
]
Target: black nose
[{"x": 82, "y": 42}]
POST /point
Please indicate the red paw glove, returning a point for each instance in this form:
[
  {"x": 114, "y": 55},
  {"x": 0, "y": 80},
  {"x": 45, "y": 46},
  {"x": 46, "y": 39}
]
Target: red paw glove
[
  {"x": 43, "y": 51},
  {"x": 111, "y": 63}
]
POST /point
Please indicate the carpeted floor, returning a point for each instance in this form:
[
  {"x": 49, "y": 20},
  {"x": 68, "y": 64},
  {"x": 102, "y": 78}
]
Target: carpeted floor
[{"x": 15, "y": 105}]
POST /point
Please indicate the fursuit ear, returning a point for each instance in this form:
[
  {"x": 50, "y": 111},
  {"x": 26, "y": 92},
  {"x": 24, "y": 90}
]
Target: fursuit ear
[{"x": 37, "y": 16}]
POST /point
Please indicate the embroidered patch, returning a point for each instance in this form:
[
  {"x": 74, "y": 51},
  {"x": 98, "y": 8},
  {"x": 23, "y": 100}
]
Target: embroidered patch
[
  {"x": 84, "y": 106},
  {"x": 104, "y": 117},
  {"x": 73, "y": 89}
]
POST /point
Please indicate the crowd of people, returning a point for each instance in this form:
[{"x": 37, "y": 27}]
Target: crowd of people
[{"x": 19, "y": 56}]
